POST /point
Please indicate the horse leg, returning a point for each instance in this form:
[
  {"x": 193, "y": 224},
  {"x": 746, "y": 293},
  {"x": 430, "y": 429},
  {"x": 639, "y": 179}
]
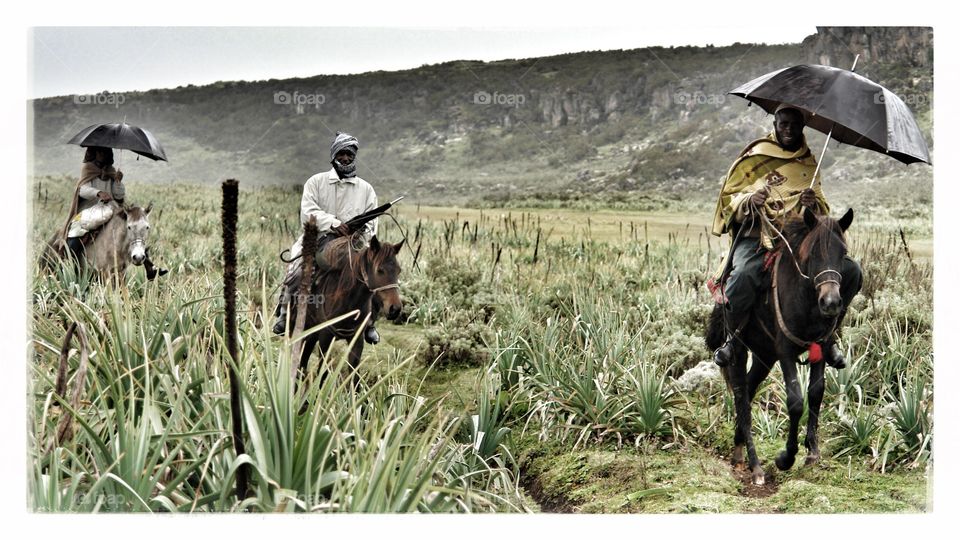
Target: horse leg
[
  {"x": 758, "y": 373},
  {"x": 324, "y": 339},
  {"x": 743, "y": 438},
  {"x": 794, "y": 408},
  {"x": 814, "y": 400},
  {"x": 309, "y": 343},
  {"x": 354, "y": 360}
]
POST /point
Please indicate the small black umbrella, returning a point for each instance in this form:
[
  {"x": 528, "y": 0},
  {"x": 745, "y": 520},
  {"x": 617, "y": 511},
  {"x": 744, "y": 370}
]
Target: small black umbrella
[
  {"x": 121, "y": 136},
  {"x": 846, "y": 106},
  {"x": 355, "y": 223}
]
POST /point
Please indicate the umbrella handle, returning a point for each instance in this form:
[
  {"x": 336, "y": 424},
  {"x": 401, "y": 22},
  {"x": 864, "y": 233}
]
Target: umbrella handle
[
  {"x": 820, "y": 161},
  {"x": 825, "y": 143}
]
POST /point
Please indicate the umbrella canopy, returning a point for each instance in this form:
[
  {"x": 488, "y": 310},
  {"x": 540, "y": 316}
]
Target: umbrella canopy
[
  {"x": 851, "y": 108},
  {"x": 121, "y": 136}
]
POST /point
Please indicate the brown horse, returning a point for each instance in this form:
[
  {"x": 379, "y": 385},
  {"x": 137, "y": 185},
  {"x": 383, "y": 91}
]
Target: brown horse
[
  {"x": 805, "y": 304},
  {"x": 119, "y": 242},
  {"x": 349, "y": 281}
]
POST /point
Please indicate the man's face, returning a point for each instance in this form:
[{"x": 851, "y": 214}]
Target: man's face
[
  {"x": 788, "y": 125},
  {"x": 344, "y": 157}
]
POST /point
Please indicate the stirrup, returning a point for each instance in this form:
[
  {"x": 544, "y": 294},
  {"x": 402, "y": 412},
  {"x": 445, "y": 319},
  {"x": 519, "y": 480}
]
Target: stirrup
[
  {"x": 156, "y": 272},
  {"x": 280, "y": 325},
  {"x": 724, "y": 353},
  {"x": 833, "y": 356},
  {"x": 371, "y": 336}
]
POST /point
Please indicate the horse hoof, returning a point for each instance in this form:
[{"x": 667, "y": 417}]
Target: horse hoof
[
  {"x": 784, "y": 461},
  {"x": 811, "y": 460},
  {"x": 759, "y": 478}
]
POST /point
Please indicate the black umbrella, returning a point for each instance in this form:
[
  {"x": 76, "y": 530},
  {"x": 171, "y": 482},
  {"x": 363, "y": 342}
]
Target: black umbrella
[
  {"x": 358, "y": 221},
  {"x": 847, "y": 107},
  {"x": 121, "y": 136}
]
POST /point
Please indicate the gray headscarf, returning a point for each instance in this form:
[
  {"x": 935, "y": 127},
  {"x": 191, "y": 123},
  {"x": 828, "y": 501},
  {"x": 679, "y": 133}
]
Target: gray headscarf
[{"x": 344, "y": 141}]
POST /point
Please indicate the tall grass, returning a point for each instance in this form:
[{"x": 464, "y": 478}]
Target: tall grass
[{"x": 580, "y": 344}]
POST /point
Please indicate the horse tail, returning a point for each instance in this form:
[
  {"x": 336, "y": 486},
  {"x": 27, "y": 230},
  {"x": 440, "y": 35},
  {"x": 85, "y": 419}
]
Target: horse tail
[{"x": 716, "y": 332}]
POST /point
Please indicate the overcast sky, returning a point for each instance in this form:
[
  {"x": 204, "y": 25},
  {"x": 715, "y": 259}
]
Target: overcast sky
[{"x": 82, "y": 60}]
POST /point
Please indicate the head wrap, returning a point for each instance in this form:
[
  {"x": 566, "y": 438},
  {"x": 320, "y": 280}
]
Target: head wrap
[{"x": 341, "y": 142}]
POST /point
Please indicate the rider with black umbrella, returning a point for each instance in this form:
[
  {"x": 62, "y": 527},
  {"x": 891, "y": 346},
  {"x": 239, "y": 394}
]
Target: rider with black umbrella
[
  {"x": 101, "y": 183},
  {"x": 770, "y": 179},
  {"x": 773, "y": 176}
]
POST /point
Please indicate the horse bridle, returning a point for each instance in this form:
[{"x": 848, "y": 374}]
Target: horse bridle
[
  {"x": 817, "y": 285},
  {"x": 366, "y": 283}
]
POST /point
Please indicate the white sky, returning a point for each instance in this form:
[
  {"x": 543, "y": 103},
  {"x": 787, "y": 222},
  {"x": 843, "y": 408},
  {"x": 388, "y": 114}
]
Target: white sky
[{"x": 82, "y": 60}]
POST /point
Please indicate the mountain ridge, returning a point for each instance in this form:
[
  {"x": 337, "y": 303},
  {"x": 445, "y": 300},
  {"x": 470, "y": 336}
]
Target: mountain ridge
[{"x": 641, "y": 120}]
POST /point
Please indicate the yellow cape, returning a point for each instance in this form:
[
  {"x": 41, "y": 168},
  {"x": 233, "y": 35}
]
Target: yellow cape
[{"x": 764, "y": 163}]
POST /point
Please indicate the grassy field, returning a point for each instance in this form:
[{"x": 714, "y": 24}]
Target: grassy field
[{"x": 546, "y": 360}]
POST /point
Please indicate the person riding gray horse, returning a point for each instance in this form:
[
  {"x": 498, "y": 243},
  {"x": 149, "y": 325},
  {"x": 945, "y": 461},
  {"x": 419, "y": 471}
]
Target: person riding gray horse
[
  {"x": 769, "y": 179},
  {"x": 332, "y": 198},
  {"x": 90, "y": 208}
]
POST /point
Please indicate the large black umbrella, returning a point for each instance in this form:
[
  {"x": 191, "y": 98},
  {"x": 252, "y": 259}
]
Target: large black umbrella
[
  {"x": 846, "y": 106},
  {"x": 121, "y": 136}
]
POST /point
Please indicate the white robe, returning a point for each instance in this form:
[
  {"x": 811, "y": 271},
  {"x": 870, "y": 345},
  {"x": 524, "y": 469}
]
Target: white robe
[{"x": 332, "y": 201}]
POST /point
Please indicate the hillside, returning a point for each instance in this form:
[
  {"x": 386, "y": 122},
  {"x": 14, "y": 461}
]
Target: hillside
[{"x": 621, "y": 123}]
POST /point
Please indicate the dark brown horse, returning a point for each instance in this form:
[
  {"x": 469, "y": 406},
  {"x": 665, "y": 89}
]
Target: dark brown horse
[
  {"x": 803, "y": 305},
  {"x": 349, "y": 281}
]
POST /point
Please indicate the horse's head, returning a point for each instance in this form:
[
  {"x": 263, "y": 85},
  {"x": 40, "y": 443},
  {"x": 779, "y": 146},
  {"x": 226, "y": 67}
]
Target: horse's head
[
  {"x": 138, "y": 227},
  {"x": 820, "y": 257},
  {"x": 382, "y": 270}
]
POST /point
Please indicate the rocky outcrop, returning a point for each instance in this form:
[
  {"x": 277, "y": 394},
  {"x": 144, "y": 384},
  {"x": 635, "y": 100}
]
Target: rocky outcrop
[{"x": 838, "y": 45}]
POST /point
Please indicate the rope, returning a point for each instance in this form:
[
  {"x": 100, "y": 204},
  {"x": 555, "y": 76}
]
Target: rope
[{"x": 779, "y": 313}]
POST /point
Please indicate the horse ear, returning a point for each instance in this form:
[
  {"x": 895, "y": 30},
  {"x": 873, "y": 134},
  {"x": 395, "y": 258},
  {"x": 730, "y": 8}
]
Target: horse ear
[
  {"x": 810, "y": 219},
  {"x": 398, "y": 245},
  {"x": 846, "y": 220},
  {"x": 374, "y": 243},
  {"x": 148, "y": 208}
]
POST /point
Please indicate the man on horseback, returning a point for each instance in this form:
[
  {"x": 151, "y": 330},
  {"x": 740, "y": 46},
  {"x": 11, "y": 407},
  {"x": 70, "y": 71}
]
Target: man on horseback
[
  {"x": 99, "y": 184},
  {"x": 770, "y": 178},
  {"x": 333, "y": 198}
]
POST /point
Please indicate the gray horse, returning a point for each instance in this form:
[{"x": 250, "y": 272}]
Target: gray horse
[{"x": 119, "y": 242}]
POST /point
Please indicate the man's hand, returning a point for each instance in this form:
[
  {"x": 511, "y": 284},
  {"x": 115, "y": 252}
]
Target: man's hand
[
  {"x": 808, "y": 199},
  {"x": 341, "y": 230},
  {"x": 104, "y": 196},
  {"x": 760, "y": 197}
]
